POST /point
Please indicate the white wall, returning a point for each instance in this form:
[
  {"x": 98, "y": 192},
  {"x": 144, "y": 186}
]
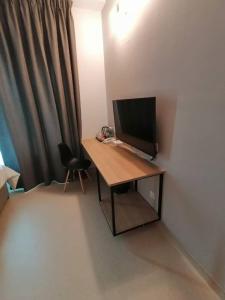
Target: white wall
[
  {"x": 174, "y": 50},
  {"x": 91, "y": 72},
  {"x": 90, "y": 4}
]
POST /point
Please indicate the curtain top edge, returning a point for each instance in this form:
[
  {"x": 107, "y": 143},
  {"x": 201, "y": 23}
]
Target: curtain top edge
[{"x": 57, "y": 3}]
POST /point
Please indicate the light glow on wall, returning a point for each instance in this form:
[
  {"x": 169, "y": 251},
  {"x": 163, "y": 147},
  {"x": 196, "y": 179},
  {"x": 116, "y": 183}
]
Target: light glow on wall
[
  {"x": 125, "y": 16},
  {"x": 88, "y": 30}
]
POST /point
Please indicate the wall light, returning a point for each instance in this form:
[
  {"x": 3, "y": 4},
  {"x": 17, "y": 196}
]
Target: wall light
[{"x": 125, "y": 16}]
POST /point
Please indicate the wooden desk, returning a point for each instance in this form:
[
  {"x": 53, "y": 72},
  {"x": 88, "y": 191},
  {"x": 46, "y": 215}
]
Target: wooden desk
[{"x": 118, "y": 165}]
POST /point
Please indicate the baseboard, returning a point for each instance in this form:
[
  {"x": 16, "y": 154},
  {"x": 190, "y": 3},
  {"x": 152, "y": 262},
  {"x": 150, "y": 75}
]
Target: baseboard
[{"x": 204, "y": 274}]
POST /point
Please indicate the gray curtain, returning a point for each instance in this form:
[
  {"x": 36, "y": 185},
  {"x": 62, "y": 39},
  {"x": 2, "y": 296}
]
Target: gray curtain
[{"x": 38, "y": 84}]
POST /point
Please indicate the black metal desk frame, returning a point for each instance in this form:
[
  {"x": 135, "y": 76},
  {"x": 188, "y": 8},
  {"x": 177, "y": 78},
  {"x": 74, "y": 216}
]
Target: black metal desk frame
[{"x": 112, "y": 191}]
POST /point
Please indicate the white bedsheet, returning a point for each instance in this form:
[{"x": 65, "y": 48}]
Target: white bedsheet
[{"x": 8, "y": 175}]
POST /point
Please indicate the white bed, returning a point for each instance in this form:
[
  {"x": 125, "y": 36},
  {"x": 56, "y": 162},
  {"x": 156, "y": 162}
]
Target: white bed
[{"x": 10, "y": 176}]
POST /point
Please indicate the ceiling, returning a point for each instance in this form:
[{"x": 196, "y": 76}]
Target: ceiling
[{"x": 90, "y": 4}]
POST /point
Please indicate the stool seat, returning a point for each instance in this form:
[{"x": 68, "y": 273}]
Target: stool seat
[
  {"x": 72, "y": 164},
  {"x": 77, "y": 164},
  {"x": 84, "y": 164}
]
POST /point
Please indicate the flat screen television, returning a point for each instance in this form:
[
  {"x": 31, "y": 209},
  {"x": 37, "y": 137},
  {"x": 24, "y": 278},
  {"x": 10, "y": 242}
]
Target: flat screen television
[{"x": 135, "y": 123}]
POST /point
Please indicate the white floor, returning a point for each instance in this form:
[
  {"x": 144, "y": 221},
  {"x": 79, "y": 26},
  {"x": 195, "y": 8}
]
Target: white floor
[{"x": 56, "y": 246}]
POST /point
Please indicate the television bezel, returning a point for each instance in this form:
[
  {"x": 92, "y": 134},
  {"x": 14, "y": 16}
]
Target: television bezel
[{"x": 152, "y": 152}]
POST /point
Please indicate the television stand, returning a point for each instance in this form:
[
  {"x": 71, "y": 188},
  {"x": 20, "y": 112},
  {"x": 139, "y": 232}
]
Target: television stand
[
  {"x": 118, "y": 142},
  {"x": 116, "y": 166},
  {"x": 134, "y": 150}
]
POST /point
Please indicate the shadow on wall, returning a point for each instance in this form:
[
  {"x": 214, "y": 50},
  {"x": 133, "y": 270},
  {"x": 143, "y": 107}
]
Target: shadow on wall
[
  {"x": 194, "y": 220},
  {"x": 166, "y": 116}
]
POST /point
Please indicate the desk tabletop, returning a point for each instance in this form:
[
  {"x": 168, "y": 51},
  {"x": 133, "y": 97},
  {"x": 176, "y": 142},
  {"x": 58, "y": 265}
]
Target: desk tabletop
[{"x": 118, "y": 165}]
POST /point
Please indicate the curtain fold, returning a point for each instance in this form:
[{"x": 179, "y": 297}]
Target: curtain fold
[{"x": 39, "y": 92}]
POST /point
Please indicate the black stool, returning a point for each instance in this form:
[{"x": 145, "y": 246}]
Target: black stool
[{"x": 73, "y": 164}]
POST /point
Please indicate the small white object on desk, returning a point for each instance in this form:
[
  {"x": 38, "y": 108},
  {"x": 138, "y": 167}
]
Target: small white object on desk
[
  {"x": 117, "y": 142},
  {"x": 109, "y": 140}
]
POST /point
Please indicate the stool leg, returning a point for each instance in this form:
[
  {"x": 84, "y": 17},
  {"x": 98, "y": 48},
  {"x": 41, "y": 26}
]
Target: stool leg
[
  {"x": 67, "y": 177},
  {"x": 81, "y": 181}
]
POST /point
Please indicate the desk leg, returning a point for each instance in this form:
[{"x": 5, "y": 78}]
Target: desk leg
[
  {"x": 99, "y": 187},
  {"x": 113, "y": 212},
  {"x": 136, "y": 185},
  {"x": 160, "y": 195}
]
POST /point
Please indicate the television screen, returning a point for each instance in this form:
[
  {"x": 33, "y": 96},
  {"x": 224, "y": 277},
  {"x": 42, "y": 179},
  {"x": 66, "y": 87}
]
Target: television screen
[{"x": 135, "y": 123}]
